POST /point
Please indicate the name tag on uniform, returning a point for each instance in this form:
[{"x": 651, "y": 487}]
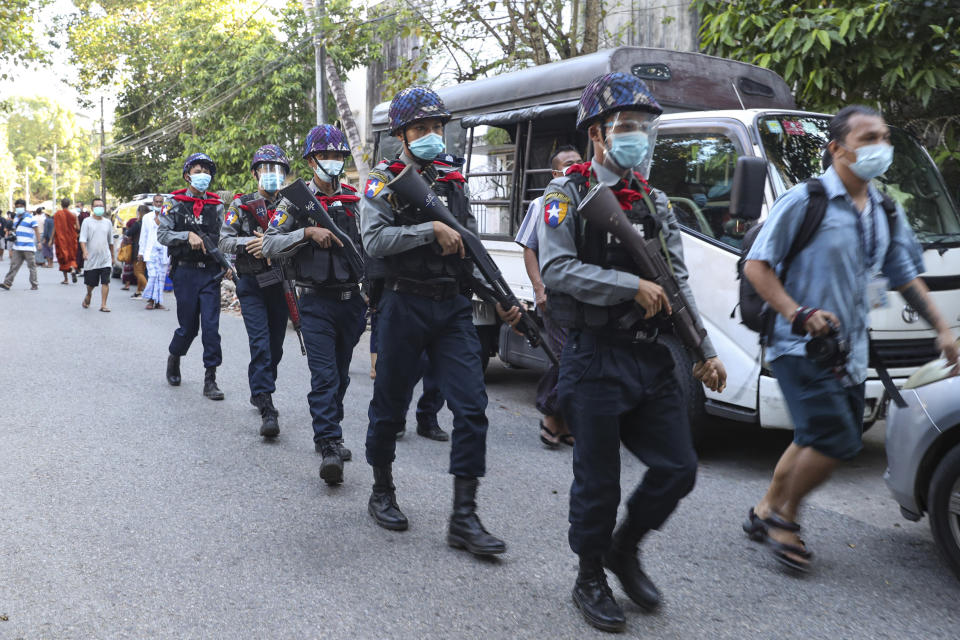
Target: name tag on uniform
[{"x": 877, "y": 293}]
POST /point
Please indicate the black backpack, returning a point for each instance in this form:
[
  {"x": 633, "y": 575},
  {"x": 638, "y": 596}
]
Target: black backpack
[{"x": 754, "y": 311}]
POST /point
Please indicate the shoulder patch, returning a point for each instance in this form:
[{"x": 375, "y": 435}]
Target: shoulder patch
[
  {"x": 376, "y": 181},
  {"x": 555, "y": 207},
  {"x": 231, "y": 217},
  {"x": 278, "y": 218}
]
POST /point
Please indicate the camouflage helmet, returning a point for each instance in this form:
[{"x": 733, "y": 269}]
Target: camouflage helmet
[
  {"x": 270, "y": 153},
  {"x": 203, "y": 160},
  {"x": 614, "y": 92},
  {"x": 416, "y": 103},
  {"x": 325, "y": 137}
]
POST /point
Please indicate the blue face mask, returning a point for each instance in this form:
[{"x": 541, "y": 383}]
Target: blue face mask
[
  {"x": 329, "y": 169},
  {"x": 200, "y": 181},
  {"x": 19, "y": 211},
  {"x": 98, "y": 211},
  {"x": 271, "y": 182},
  {"x": 873, "y": 160},
  {"x": 628, "y": 149},
  {"x": 428, "y": 147}
]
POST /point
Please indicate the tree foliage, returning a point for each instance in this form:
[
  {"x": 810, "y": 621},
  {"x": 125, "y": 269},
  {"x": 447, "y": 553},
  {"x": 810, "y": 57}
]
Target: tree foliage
[
  {"x": 901, "y": 56},
  {"x": 32, "y": 127},
  {"x": 17, "y": 44}
]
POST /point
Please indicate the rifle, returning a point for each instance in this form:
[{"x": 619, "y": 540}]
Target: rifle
[
  {"x": 411, "y": 186},
  {"x": 309, "y": 207},
  {"x": 213, "y": 250},
  {"x": 601, "y": 208},
  {"x": 293, "y": 305}
]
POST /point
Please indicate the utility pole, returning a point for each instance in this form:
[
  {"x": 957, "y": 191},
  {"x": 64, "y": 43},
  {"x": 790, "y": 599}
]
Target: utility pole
[
  {"x": 53, "y": 198},
  {"x": 103, "y": 187},
  {"x": 314, "y": 10},
  {"x": 26, "y": 181}
]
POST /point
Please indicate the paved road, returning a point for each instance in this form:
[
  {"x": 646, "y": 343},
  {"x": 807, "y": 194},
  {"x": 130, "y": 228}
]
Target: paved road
[{"x": 131, "y": 509}]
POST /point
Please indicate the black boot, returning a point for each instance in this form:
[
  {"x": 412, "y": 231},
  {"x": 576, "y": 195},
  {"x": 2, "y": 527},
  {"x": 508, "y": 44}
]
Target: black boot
[
  {"x": 269, "y": 426},
  {"x": 383, "y": 501},
  {"x": 331, "y": 467},
  {"x": 345, "y": 454},
  {"x": 622, "y": 560},
  {"x": 593, "y": 597},
  {"x": 173, "y": 370},
  {"x": 465, "y": 530},
  {"x": 210, "y": 388},
  {"x": 429, "y": 428}
]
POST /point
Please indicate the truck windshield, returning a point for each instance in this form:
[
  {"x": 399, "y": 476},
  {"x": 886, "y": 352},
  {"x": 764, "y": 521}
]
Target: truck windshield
[{"x": 794, "y": 145}]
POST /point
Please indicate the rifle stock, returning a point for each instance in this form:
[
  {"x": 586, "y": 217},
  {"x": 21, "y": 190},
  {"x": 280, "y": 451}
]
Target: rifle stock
[
  {"x": 307, "y": 205},
  {"x": 411, "y": 186},
  {"x": 293, "y": 305},
  {"x": 601, "y": 208}
]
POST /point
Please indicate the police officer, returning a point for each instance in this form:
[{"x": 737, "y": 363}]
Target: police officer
[
  {"x": 424, "y": 308},
  {"x": 195, "y": 212},
  {"x": 259, "y": 283},
  {"x": 616, "y": 383},
  {"x": 332, "y": 310}
]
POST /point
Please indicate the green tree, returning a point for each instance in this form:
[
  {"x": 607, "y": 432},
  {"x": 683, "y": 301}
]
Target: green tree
[
  {"x": 17, "y": 43},
  {"x": 901, "y": 56},
  {"x": 33, "y": 126}
]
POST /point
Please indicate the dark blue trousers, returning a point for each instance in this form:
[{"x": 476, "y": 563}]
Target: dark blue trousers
[
  {"x": 409, "y": 326},
  {"x": 265, "y": 317},
  {"x": 198, "y": 307},
  {"x": 331, "y": 328},
  {"x": 431, "y": 401},
  {"x": 611, "y": 393}
]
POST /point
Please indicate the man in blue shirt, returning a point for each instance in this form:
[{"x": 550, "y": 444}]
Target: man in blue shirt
[
  {"x": 25, "y": 246},
  {"x": 844, "y": 271}
]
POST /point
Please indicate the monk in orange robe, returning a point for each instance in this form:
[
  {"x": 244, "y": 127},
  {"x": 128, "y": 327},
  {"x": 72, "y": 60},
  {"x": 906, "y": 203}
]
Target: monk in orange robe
[{"x": 65, "y": 240}]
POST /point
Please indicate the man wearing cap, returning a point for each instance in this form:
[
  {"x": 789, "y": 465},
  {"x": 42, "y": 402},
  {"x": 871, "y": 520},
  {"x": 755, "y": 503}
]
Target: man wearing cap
[
  {"x": 331, "y": 308},
  {"x": 424, "y": 308},
  {"x": 616, "y": 384},
  {"x": 259, "y": 282},
  {"x": 196, "y": 284}
]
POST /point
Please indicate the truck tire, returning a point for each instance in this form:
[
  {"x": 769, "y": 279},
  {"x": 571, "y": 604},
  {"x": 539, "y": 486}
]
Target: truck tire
[
  {"x": 943, "y": 505},
  {"x": 690, "y": 388}
]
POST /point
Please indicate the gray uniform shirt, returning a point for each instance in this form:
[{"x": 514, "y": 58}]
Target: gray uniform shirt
[
  {"x": 237, "y": 228},
  {"x": 381, "y": 237},
  {"x": 563, "y": 271},
  {"x": 284, "y": 235},
  {"x": 165, "y": 233}
]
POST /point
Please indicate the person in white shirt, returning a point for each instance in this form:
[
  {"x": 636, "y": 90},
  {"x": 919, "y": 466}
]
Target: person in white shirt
[
  {"x": 155, "y": 255},
  {"x": 96, "y": 243}
]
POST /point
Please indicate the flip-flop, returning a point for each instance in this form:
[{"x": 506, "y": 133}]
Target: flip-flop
[
  {"x": 549, "y": 444},
  {"x": 160, "y": 307},
  {"x": 566, "y": 438},
  {"x": 64, "y": 282},
  {"x": 104, "y": 310},
  {"x": 86, "y": 302}
]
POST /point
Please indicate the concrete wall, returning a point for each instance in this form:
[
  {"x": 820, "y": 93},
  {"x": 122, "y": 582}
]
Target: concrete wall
[{"x": 668, "y": 24}]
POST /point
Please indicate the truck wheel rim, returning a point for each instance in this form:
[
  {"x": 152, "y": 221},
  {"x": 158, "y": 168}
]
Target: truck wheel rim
[{"x": 953, "y": 509}]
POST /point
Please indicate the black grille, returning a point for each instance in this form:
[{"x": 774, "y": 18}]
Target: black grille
[{"x": 895, "y": 354}]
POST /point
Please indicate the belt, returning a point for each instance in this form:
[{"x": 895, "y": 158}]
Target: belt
[
  {"x": 195, "y": 264},
  {"x": 435, "y": 290},
  {"x": 623, "y": 336},
  {"x": 343, "y": 292}
]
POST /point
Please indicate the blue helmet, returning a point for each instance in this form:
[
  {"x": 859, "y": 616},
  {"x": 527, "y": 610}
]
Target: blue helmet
[
  {"x": 416, "y": 103},
  {"x": 203, "y": 160},
  {"x": 270, "y": 153},
  {"x": 325, "y": 137},
  {"x": 614, "y": 92}
]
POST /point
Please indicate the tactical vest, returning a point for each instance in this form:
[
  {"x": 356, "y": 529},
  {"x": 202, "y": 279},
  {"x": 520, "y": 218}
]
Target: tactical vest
[
  {"x": 319, "y": 267},
  {"x": 245, "y": 263},
  {"x": 602, "y": 249},
  {"x": 426, "y": 262},
  {"x": 183, "y": 220}
]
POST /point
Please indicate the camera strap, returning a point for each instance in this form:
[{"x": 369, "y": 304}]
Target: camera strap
[{"x": 885, "y": 378}]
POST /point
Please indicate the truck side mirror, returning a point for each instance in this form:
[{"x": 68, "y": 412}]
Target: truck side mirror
[{"x": 746, "y": 194}]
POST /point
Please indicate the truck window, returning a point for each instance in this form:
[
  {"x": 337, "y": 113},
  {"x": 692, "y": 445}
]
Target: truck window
[
  {"x": 490, "y": 178},
  {"x": 695, "y": 170}
]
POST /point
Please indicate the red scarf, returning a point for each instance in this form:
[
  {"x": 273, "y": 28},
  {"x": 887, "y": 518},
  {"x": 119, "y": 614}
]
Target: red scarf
[
  {"x": 345, "y": 198},
  {"x": 626, "y": 196},
  {"x": 450, "y": 176},
  {"x": 180, "y": 195}
]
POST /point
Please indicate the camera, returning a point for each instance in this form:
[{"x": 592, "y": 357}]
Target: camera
[{"x": 829, "y": 351}]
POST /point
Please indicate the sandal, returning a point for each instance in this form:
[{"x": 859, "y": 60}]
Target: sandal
[
  {"x": 566, "y": 438},
  {"x": 86, "y": 301},
  {"x": 104, "y": 310},
  {"x": 151, "y": 305},
  {"x": 783, "y": 551},
  {"x": 754, "y": 527},
  {"x": 547, "y": 442},
  {"x": 160, "y": 307}
]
